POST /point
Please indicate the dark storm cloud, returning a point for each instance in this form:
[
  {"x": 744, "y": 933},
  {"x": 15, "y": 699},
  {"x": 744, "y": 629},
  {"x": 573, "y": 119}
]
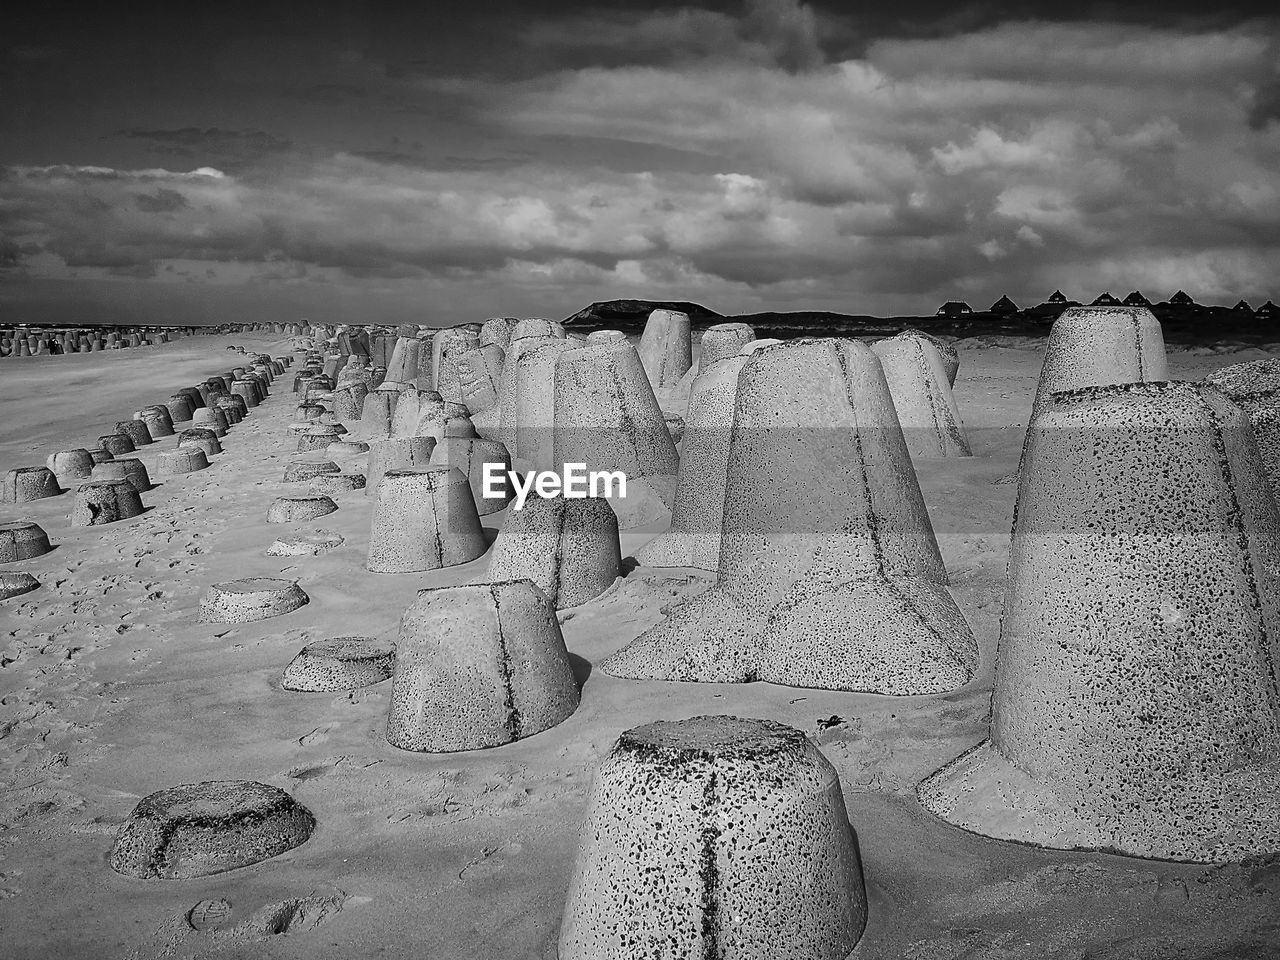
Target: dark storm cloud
[
  {"x": 772, "y": 153},
  {"x": 210, "y": 145},
  {"x": 162, "y": 201}
]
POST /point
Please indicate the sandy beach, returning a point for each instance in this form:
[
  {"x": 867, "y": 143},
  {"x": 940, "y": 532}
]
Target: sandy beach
[{"x": 110, "y": 690}]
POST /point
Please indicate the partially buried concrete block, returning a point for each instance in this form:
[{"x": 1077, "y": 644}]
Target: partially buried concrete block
[
  {"x": 448, "y": 348},
  {"x": 198, "y": 829},
  {"x": 318, "y": 436},
  {"x": 829, "y": 574},
  {"x": 607, "y": 418},
  {"x": 723, "y": 340},
  {"x": 116, "y": 444},
  {"x": 300, "y": 470},
  {"x": 694, "y": 537},
  {"x": 342, "y": 663},
  {"x": 71, "y": 464},
  {"x": 289, "y": 509},
  {"x": 128, "y": 469},
  {"x": 255, "y": 598},
  {"x": 714, "y": 837},
  {"x": 478, "y": 666},
  {"x": 666, "y": 349},
  {"x": 423, "y": 519},
  {"x": 22, "y": 540},
  {"x": 28, "y": 483},
  {"x": 201, "y": 438},
  {"x": 188, "y": 459},
  {"x": 180, "y": 408},
  {"x": 345, "y": 449},
  {"x": 100, "y": 502},
  {"x": 157, "y": 419},
  {"x": 337, "y": 483},
  {"x": 16, "y": 584},
  {"x": 1134, "y": 707},
  {"x": 210, "y": 418},
  {"x": 474, "y": 457},
  {"x": 568, "y": 547},
  {"x": 926, "y": 409}
]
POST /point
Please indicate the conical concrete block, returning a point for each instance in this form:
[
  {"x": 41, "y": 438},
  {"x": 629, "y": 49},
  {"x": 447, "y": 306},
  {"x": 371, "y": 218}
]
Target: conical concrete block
[
  {"x": 102, "y": 502},
  {"x": 694, "y": 537},
  {"x": 447, "y": 349},
  {"x": 529, "y": 427},
  {"x": 537, "y": 327},
  {"x": 424, "y": 519},
  {"x": 607, "y": 418},
  {"x": 946, "y": 349},
  {"x": 129, "y": 469},
  {"x": 507, "y": 384},
  {"x": 714, "y": 837},
  {"x": 173, "y": 463},
  {"x": 406, "y": 363},
  {"x": 318, "y": 436},
  {"x": 379, "y": 408},
  {"x": 98, "y": 455},
  {"x": 232, "y": 407},
  {"x": 348, "y": 401},
  {"x": 22, "y": 540},
  {"x": 180, "y": 408},
  {"x": 116, "y": 444},
  {"x": 157, "y": 419},
  {"x": 396, "y": 453},
  {"x": 829, "y": 574},
  {"x": 28, "y": 483},
  {"x": 723, "y": 340},
  {"x": 208, "y": 418},
  {"x": 410, "y": 404},
  {"x": 1135, "y": 707},
  {"x": 471, "y": 455},
  {"x": 478, "y": 666},
  {"x": 1097, "y": 346},
  {"x": 497, "y": 331},
  {"x": 1255, "y": 388},
  {"x": 927, "y": 411},
  {"x": 480, "y": 376},
  {"x": 201, "y": 438},
  {"x": 70, "y": 464},
  {"x": 666, "y": 349},
  {"x": 568, "y": 547}
]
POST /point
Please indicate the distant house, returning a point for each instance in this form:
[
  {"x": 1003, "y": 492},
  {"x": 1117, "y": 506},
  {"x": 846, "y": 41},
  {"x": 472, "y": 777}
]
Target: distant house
[
  {"x": 1105, "y": 300},
  {"x": 1180, "y": 299},
  {"x": 1003, "y": 307},
  {"x": 1056, "y": 297},
  {"x": 1242, "y": 307},
  {"x": 1268, "y": 311},
  {"x": 954, "y": 308},
  {"x": 1136, "y": 299}
]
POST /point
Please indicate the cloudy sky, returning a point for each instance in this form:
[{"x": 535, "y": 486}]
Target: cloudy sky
[{"x": 359, "y": 162}]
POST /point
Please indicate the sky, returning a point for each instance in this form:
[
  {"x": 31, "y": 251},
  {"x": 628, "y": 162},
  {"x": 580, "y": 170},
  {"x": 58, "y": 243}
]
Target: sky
[{"x": 444, "y": 162}]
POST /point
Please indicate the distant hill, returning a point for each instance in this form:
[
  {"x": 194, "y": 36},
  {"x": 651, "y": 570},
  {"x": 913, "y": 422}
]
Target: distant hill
[
  {"x": 615, "y": 312},
  {"x": 1194, "y": 324}
]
